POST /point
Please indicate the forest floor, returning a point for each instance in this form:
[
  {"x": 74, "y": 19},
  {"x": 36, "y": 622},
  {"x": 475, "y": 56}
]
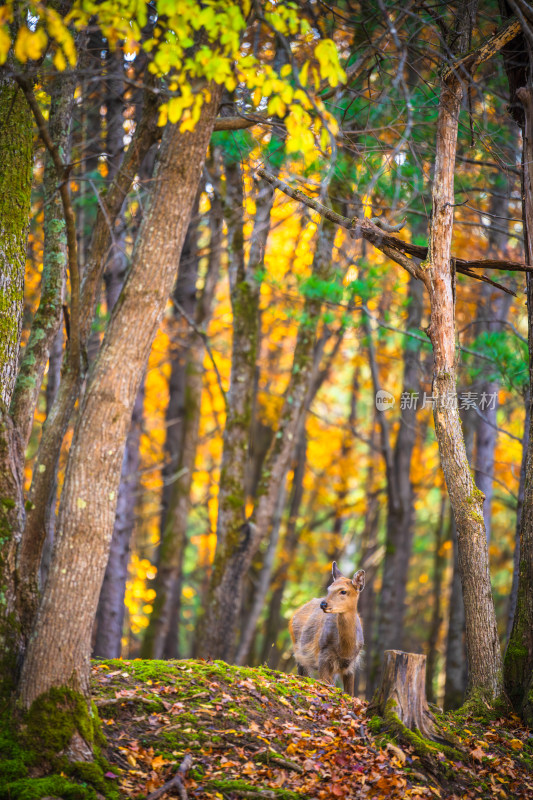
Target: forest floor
[
  {"x": 255, "y": 733},
  {"x": 264, "y": 735}
]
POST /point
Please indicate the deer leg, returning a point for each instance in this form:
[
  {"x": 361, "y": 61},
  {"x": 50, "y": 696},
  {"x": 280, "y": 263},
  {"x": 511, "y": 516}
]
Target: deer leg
[
  {"x": 303, "y": 671},
  {"x": 348, "y": 682},
  {"x": 326, "y": 672}
]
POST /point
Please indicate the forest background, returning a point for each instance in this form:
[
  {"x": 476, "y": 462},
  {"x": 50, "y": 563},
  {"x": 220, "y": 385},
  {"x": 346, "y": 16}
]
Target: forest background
[{"x": 258, "y": 451}]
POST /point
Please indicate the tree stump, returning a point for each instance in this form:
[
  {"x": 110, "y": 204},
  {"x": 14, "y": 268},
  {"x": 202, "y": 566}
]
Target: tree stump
[{"x": 402, "y": 693}]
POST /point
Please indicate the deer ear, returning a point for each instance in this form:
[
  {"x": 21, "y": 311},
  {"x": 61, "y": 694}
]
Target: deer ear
[
  {"x": 335, "y": 571},
  {"x": 358, "y": 580}
]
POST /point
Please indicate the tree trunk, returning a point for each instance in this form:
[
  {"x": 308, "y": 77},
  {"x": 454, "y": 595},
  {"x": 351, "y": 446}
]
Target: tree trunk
[
  {"x": 233, "y": 560},
  {"x": 439, "y": 561},
  {"x": 161, "y": 636},
  {"x": 58, "y": 653},
  {"x": 44, "y": 475},
  {"x": 519, "y": 508},
  {"x": 109, "y": 620},
  {"x": 16, "y": 158},
  {"x": 519, "y": 654},
  {"x": 317, "y": 379},
  {"x": 456, "y": 666},
  {"x": 483, "y": 647},
  {"x": 401, "y": 695},
  {"x": 217, "y": 628},
  {"x": 271, "y": 654},
  {"x": 400, "y": 495},
  {"x": 456, "y": 671},
  {"x": 48, "y": 316},
  {"x": 110, "y": 614}
]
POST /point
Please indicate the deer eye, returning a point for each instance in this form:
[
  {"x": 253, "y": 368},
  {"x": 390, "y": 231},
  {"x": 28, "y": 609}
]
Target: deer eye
[{"x": 343, "y": 592}]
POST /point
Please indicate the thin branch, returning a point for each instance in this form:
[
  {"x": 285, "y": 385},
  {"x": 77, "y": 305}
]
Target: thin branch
[
  {"x": 391, "y": 246},
  {"x": 203, "y": 336},
  {"x": 470, "y": 61},
  {"x": 174, "y": 783}
]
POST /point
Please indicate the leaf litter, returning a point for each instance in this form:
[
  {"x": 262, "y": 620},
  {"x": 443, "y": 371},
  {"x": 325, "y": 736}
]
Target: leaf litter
[{"x": 256, "y": 733}]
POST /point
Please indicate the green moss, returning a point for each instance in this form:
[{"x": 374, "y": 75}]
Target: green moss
[
  {"x": 86, "y": 772},
  {"x": 60, "y": 712},
  {"x": 482, "y": 707},
  {"x": 424, "y": 748},
  {"x": 375, "y": 725},
  {"x": 55, "y": 786},
  {"x": 240, "y": 786}
]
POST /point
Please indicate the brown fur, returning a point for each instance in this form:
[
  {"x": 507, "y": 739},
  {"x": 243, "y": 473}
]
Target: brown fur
[{"x": 330, "y": 641}]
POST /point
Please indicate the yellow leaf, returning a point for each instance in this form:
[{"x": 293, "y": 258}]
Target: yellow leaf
[
  {"x": 131, "y": 760},
  {"x": 30, "y": 45},
  {"x": 59, "y": 60},
  {"x": 158, "y": 762},
  {"x": 5, "y": 44},
  {"x": 516, "y": 744}
]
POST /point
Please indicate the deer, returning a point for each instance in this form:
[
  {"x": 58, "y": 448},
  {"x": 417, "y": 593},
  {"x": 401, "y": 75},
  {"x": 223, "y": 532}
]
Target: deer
[{"x": 327, "y": 634}]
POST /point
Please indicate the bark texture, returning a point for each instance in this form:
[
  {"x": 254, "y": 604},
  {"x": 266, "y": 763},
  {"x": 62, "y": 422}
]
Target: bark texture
[
  {"x": 16, "y": 158},
  {"x": 44, "y": 475},
  {"x": 48, "y": 316},
  {"x": 402, "y": 692},
  {"x": 519, "y": 653},
  {"x": 15, "y": 186},
  {"x": 483, "y": 647},
  {"x": 59, "y": 651}
]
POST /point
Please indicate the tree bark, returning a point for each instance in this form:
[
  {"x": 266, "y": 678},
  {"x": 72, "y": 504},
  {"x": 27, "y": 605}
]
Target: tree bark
[
  {"x": 15, "y": 185},
  {"x": 44, "y": 475},
  {"x": 483, "y": 647},
  {"x": 400, "y": 494},
  {"x": 402, "y": 692},
  {"x": 58, "y": 653},
  {"x": 439, "y": 561},
  {"x": 48, "y": 316},
  {"x": 16, "y": 158},
  {"x": 518, "y": 666},
  {"x": 110, "y": 614},
  {"x": 456, "y": 663},
  {"x": 109, "y": 620},
  {"x": 217, "y": 628}
]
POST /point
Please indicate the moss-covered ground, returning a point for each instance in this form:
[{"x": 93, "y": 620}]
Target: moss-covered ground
[{"x": 254, "y": 733}]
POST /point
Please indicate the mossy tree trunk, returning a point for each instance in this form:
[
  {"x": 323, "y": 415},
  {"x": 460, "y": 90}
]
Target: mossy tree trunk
[
  {"x": 59, "y": 650},
  {"x": 483, "y": 646},
  {"x": 519, "y": 653},
  {"x": 217, "y": 627},
  {"x": 48, "y": 316},
  {"x": 44, "y": 475},
  {"x": 16, "y": 160}
]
